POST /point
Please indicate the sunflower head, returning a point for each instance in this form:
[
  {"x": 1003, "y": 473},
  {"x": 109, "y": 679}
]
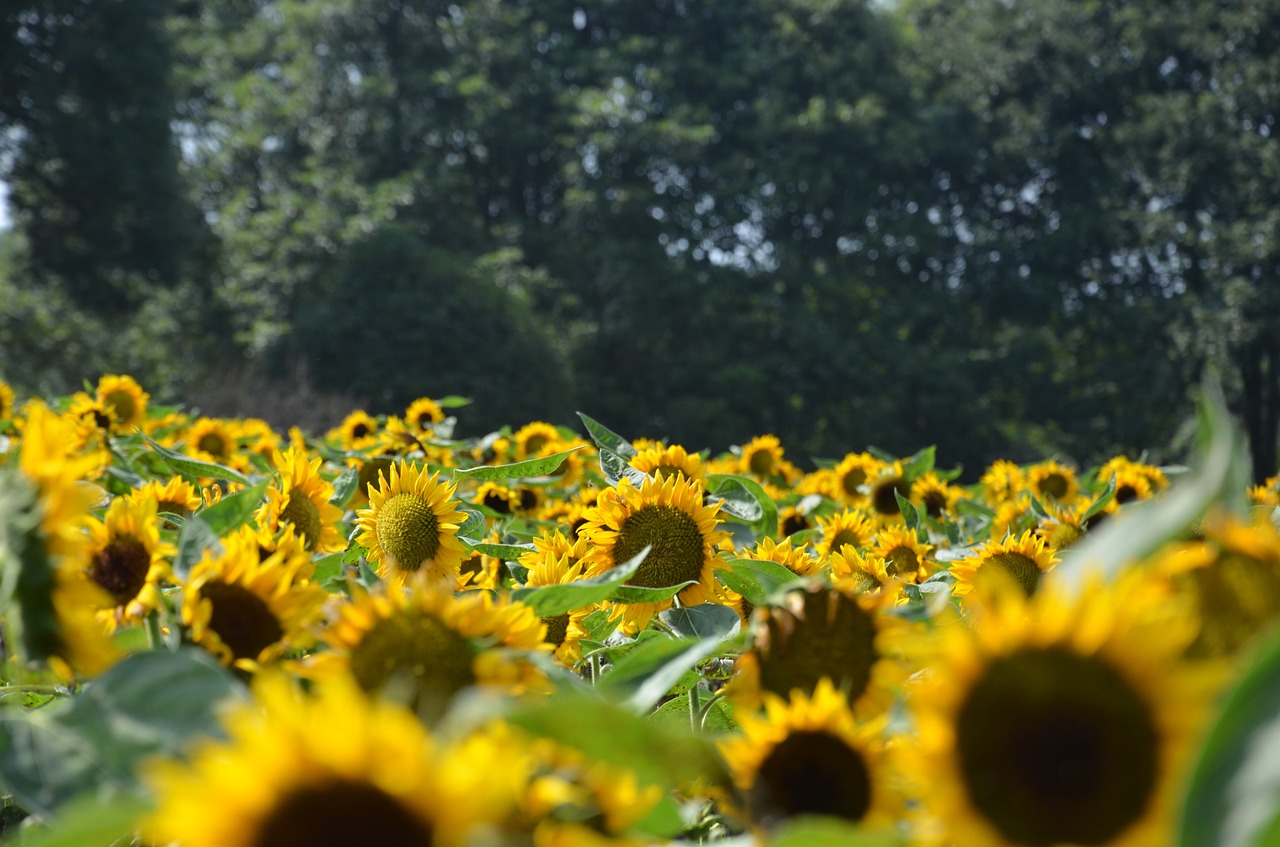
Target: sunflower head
[
  {"x": 127, "y": 558},
  {"x": 1003, "y": 481},
  {"x": 905, "y": 556},
  {"x": 357, "y": 429},
  {"x": 531, "y": 438},
  {"x": 423, "y": 414},
  {"x": 854, "y": 471},
  {"x": 301, "y": 499},
  {"x": 798, "y": 560},
  {"x": 936, "y": 495},
  {"x": 850, "y": 528},
  {"x": 1052, "y": 480},
  {"x": 124, "y": 400},
  {"x": 1020, "y": 562},
  {"x": 762, "y": 459},
  {"x": 411, "y": 525},
  {"x": 884, "y": 490},
  {"x": 6, "y": 401},
  {"x": 497, "y": 497},
  {"x": 669, "y": 461}
]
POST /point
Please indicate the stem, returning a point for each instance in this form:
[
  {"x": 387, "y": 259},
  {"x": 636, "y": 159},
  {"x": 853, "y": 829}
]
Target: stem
[
  {"x": 31, "y": 688},
  {"x": 695, "y": 710},
  {"x": 155, "y": 637}
]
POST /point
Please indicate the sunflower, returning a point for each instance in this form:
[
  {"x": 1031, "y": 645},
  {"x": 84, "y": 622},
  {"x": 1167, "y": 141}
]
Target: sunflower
[
  {"x": 1155, "y": 477},
  {"x": 936, "y": 495},
  {"x": 564, "y": 632},
  {"x": 6, "y": 401},
  {"x": 128, "y": 559},
  {"x": 884, "y": 490},
  {"x": 1058, "y": 721},
  {"x": 496, "y": 497},
  {"x": 480, "y": 571},
  {"x": 571, "y": 469},
  {"x": 422, "y": 644},
  {"x": 1065, "y": 524},
  {"x": 851, "y": 528},
  {"x": 798, "y": 560},
  {"x": 854, "y": 471},
  {"x": 301, "y": 499},
  {"x": 213, "y": 440},
  {"x": 333, "y": 769},
  {"x": 821, "y": 632},
  {"x": 355, "y": 430},
  {"x": 762, "y": 458},
  {"x": 1131, "y": 485},
  {"x": 423, "y": 414},
  {"x": 1003, "y": 481},
  {"x": 1022, "y": 561},
  {"x": 793, "y": 519},
  {"x": 1266, "y": 495},
  {"x": 905, "y": 556},
  {"x": 261, "y": 438},
  {"x": 670, "y": 460},
  {"x": 809, "y": 756},
  {"x": 669, "y": 516},
  {"x": 857, "y": 572},
  {"x": 124, "y": 400},
  {"x": 249, "y": 610},
  {"x": 1052, "y": 480},
  {"x": 532, "y": 437},
  {"x": 93, "y": 415},
  {"x": 411, "y": 525}
]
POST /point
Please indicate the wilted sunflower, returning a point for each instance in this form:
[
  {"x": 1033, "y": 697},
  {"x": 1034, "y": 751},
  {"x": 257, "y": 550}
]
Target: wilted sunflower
[
  {"x": 668, "y": 461},
  {"x": 411, "y": 525},
  {"x": 851, "y": 528},
  {"x": 905, "y": 556},
  {"x": 249, "y": 610},
  {"x": 1052, "y": 480},
  {"x": 1058, "y": 721},
  {"x": 809, "y": 756},
  {"x": 668, "y": 515},
  {"x": 423, "y": 645},
  {"x": 301, "y": 499},
  {"x": 124, "y": 401},
  {"x": 127, "y": 559},
  {"x": 1022, "y": 561},
  {"x": 333, "y": 769}
]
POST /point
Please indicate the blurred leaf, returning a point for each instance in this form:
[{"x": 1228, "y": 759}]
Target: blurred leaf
[
  {"x": 816, "y": 831},
  {"x": 607, "y": 439},
  {"x": 710, "y": 620},
  {"x": 649, "y": 671},
  {"x": 759, "y": 582},
  {"x": 1233, "y": 797},
  {"x": 542, "y": 466},
  {"x": 558, "y": 599},
  {"x": 93, "y": 820},
  {"x": 234, "y": 510},
  {"x": 1101, "y": 502},
  {"x": 919, "y": 464},
  {"x": 194, "y": 468},
  {"x": 675, "y": 713},
  {"x": 194, "y": 538},
  {"x": 632, "y": 594},
  {"x": 344, "y": 487},
  {"x": 502, "y": 551},
  {"x": 909, "y": 513}
]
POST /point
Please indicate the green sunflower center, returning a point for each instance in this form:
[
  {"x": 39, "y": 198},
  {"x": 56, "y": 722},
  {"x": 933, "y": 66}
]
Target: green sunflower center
[
  {"x": 242, "y": 619},
  {"x": 678, "y": 553},
  {"x": 338, "y": 814},
  {"x": 122, "y": 404},
  {"x": 1057, "y": 748},
  {"x": 1022, "y": 568},
  {"x": 534, "y": 443},
  {"x": 304, "y": 516},
  {"x": 557, "y": 629},
  {"x": 415, "y": 657},
  {"x": 761, "y": 463},
  {"x": 370, "y": 470},
  {"x": 1054, "y": 485},
  {"x": 883, "y": 498},
  {"x": 851, "y": 480},
  {"x": 902, "y": 561},
  {"x": 213, "y": 444},
  {"x": 408, "y": 532},
  {"x": 830, "y": 636},
  {"x": 121, "y": 568},
  {"x": 862, "y": 581},
  {"x": 1238, "y": 597},
  {"x": 811, "y": 773}
]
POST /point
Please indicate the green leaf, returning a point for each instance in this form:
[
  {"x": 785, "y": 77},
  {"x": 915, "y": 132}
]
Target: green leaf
[
  {"x": 648, "y": 672},
  {"x": 631, "y": 594},
  {"x": 453, "y": 401},
  {"x": 910, "y": 514},
  {"x": 607, "y": 439},
  {"x": 761, "y": 583},
  {"x": 542, "y": 466},
  {"x": 194, "y": 468},
  {"x": 150, "y": 703},
  {"x": 675, "y": 713},
  {"x": 344, "y": 487},
  {"x": 710, "y": 620},
  {"x": 194, "y": 538},
  {"x": 1101, "y": 502},
  {"x": 552, "y": 600},
  {"x": 502, "y": 551},
  {"x": 89, "y": 821},
  {"x": 1233, "y": 798},
  {"x": 475, "y": 527},
  {"x": 233, "y": 511},
  {"x": 615, "y": 468},
  {"x": 744, "y": 500},
  {"x": 818, "y": 831},
  {"x": 919, "y": 464}
]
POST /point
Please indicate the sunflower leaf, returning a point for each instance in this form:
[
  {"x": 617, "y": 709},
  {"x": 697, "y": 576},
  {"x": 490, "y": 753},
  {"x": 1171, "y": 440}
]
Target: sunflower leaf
[
  {"x": 549, "y": 600},
  {"x": 501, "y": 551},
  {"x": 88, "y": 821},
  {"x": 194, "y": 468},
  {"x": 631, "y": 594},
  {"x": 1101, "y": 502},
  {"x": 919, "y": 464},
  {"x": 344, "y": 487},
  {"x": 910, "y": 513},
  {"x": 818, "y": 831},
  {"x": 616, "y": 468},
  {"x": 473, "y": 528},
  {"x": 607, "y": 439},
  {"x": 744, "y": 500},
  {"x": 541, "y": 466},
  {"x": 760, "y": 582},
  {"x": 233, "y": 511},
  {"x": 194, "y": 538},
  {"x": 710, "y": 620}
]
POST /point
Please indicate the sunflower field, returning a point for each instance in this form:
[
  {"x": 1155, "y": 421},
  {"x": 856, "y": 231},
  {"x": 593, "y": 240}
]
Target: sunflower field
[{"x": 215, "y": 634}]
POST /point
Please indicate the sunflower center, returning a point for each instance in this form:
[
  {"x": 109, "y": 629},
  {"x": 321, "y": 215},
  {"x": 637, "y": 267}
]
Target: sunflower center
[
  {"x": 100, "y": 419},
  {"x": 901, "y": 561},
  {"x": 678, "y": 552},
  {"x": 419, "y": 652},
  {"x": 557, "y": 629},
  {"x": 360, "y": 430},
  {"x": 338, "y": 814},
  {"x": 1023, "y": 569},
  {"x": 794, "y": 523},
  {"x": 213, "y": 444},
  {"x": 121, "y": 568},
  {"x": 408, "y": 531},
  {"x": 845, "y": 538},
  {"x": 304, "y": 515},
  {"x": 1054, "y": 485},
  {"x": 883, "y": 498},
  {"x": 369, "y": 472},
  {"x": 1238, "y": 598},
  {"x": 121, "y": 403},
  {"x": 1057, "y": 748},
  {"x": 534, "y": 443},
  {"x": 761, "y": 463},
  {"x": 1062, "y": 535},
  {"x": 812, "y": 773},
  {"x": 862, "y": 581},
  {"x": 497, "y": 501},
  {"x": 851, "y": 480},
  {"x": 935, "y": 503},
  {"x": 830, "y": 636},
  {"x": 242, "y": 620}
]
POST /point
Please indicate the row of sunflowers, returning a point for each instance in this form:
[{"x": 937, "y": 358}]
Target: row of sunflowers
[{"x": 215, "y": 634}]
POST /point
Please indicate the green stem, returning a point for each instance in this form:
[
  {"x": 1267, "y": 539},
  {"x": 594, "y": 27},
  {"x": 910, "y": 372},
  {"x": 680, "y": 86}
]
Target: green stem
[
  {"x": 695, "y": 710},
  {"x": 155, "y": 636}
]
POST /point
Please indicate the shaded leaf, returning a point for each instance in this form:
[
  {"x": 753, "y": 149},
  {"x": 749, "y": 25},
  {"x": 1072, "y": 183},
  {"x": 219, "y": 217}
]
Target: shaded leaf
[
  {"x": 542, "y": 466},
  {"x": 194, "y": 468},
  {"x": 607, "y": 439}
]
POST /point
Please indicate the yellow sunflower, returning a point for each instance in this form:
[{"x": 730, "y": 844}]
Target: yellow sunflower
[
  {"x": 1052, "y": 480},
  {"x": 214, "y": 440},
  {"x": 301, "y": 499},
  {"x": 336, "y": 768},
  {"x": 6, "y": 401},
  {"x": 936, "y": 495},
  {"x": 668, "y": 515},
  {"x": 1065, "y": 524},
  {"x": 423, "y": 645},
  {"x": 249, "y": 610},
  {"x": 175, "y": 496},
  {"x": 854, "y": 471},
  {"x": 564, "y": 632},
  {"x": 1132, "y": 485},
  {"x": 128, "y": 559},
  {"x": 668, "y": 461},
  {"x": 124, "y": 400},
  {"x": 1058, "y": 721},
  {"x": 497, "y": 497},
  {"x": 1022, "y": 560},
  {"x": 798, "y": 560},
  {"x": 905, "y": 556},
  {"x": 884, "y": 489},
  {"x": 762, "y": 458},
  {"x": 852, "y": 528},
  {"x": 532, "y": 437},
  {"x": 793, "y": 519},
  {"x": 411, "y": 525},
  {"x": 1003, "y": 481},
  {"x": 259, "y": 437},
  {"x": 423, "y": 414},
  {"x": 1266, "y": 495},
  {"x": 355, "y": 429},
  {"x": 809, "y": 756},
  {"x": 859, "y": 573}
]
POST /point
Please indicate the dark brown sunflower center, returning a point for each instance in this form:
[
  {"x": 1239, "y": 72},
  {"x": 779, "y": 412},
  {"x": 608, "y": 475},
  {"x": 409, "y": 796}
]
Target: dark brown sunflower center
[
  {"x": 534, "y": 443},
  {"x": 242, "y": 619},
  {"x": 528, "y": 499},
  {"x": 851, "y": 480},
  {"x": 339, "y": 814},
  {"x": 417, "y": 658},
  {"x": 1126, "y": 493},
  {"x": 100, "y": 418},
  {"x": 831, "y": 635},
  {"x": 1022, "y": 568},
  {"x": 935, "y": 503},
  {"x": 557, "y": 629},
  {"x": 1054, "y": 485},
  {"x": 121, "y": 403},
  {"x": 793, "y": 523},
  {"x": 498, "y": 501},
  {"x": 370, "y": 470},
  {"x": 883, "y": 498},
  {"x": 903, "y": 562},
  {"x": 408, "y": 532},
  {"x": 811, "y": 773},
  {"x": 213, "y": 444},
  {"x": 1239, "y": 598},
  {"x": 304, "y": 516},
  {"x": 121, "y": 568},
  {"x": 678, "y": 553},
  {"x": 845, "y": 538},
  {"x": 1057, "y": 748},
  {"x": 360, "y": 430},
  {"x": 761, "y": 463}
]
